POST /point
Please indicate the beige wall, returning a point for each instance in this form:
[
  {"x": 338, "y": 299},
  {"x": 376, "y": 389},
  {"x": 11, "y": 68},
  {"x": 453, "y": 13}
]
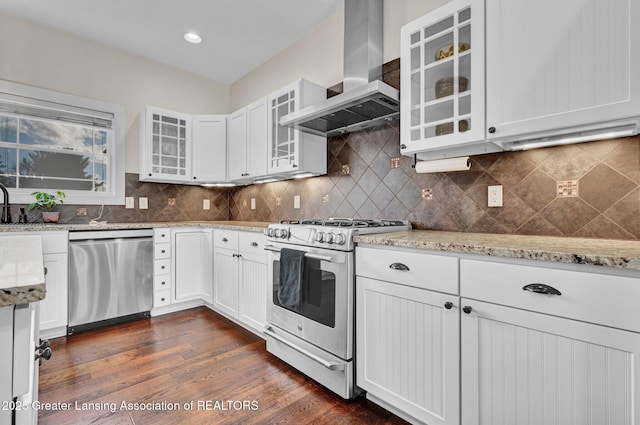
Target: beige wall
[
  {"x": 318, "y": 56},
  {"x": 39, "y": 56}
]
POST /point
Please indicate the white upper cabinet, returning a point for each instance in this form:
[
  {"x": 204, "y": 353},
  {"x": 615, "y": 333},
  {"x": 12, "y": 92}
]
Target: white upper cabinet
[
  {"x": 442, "y": 82},
  {"x": 561, "y": 67},
  {"x": 209, "y": 148},
  {"x": 165, "y": 153},
  {"x": 291, "y": 151},
  {"x": 247, "y": 142}
]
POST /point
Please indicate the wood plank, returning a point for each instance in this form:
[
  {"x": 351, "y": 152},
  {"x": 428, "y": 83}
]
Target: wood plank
[{"x": 189, "y": 356}]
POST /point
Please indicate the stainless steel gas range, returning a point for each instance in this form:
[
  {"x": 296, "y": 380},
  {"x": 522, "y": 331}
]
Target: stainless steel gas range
[{"x": 310, "y": 314}]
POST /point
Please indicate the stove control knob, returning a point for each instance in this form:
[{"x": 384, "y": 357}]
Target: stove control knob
[
  {"x": 319, "y": 236},
  {"x": 330, "y": 237},
  {"x": 340, "y": 239},
  {"x": 284, "y": 233},
  {"x": 271, "y": 232}
]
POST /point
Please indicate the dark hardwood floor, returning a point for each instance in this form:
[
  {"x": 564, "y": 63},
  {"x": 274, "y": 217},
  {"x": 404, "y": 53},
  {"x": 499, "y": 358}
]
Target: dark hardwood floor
[{"x": 190, "y": 356}]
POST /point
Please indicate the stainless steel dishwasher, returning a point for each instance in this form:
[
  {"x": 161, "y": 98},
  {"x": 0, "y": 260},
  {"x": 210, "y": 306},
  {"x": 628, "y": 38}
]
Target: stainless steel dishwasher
[{"x": 110, "y": 277}]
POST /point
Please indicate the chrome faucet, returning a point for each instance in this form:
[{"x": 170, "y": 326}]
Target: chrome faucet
[{"x": 6, "y": 209}]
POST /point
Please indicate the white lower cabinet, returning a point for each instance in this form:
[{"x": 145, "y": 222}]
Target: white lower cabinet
[
  {"x": 547, "y": 345},
  {"x": 408, "y": 350},
  {"x": 193, "y": 268},
  {"x": 521, "y": 367},
  {"x": 240, "y": 277},
  {"x": 408, "y": 333},
  {"x": 54, "y": 307}
]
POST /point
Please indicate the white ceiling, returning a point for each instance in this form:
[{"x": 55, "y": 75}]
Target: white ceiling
[{"x": 238, "y": 35}]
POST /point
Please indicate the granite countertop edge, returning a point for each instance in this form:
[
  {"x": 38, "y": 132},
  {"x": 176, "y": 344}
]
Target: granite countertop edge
[
  {"x": 596, "y": 252},
  {"x": 22, "y": 294},
  {"x": 248, "y": 226}
]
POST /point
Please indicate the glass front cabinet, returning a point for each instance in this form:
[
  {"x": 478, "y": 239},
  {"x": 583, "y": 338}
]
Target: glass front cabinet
[
  {"x": 291, "y": 151},
  {"x": 166, "y": 139},
  {"x": 442, "y": 88}
]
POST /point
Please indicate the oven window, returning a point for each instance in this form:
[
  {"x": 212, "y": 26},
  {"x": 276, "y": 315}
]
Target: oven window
[{"x": 317, "y": 293}]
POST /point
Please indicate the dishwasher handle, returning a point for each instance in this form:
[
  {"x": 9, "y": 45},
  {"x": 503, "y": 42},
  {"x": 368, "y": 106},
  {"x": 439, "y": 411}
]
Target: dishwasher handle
[{"x": 110, "y": 234}]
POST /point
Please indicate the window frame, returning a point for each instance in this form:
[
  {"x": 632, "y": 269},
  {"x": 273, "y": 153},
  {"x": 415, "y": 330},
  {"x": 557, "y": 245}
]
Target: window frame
[{"x": 115, "y": 195}]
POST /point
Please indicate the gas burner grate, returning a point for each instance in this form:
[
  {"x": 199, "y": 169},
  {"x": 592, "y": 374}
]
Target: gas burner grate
[
  {"x": 312, "y": 221},
  {"x": 289, "y": 222}
]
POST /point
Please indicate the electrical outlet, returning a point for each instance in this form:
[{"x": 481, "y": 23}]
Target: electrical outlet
[
  {"x": 143, "y": 203},
  {"x": 81, "y": 211},
  {"x": 494, "y": 196},
  {"x": 253, "y": 203},
  {"x": 296, "y": 202},
  {"x": 206, "y": 204},
  {"x": 171, "y": 201},
  {"x": 129, "y": 202},
  {"x": 278, "y": 201}
]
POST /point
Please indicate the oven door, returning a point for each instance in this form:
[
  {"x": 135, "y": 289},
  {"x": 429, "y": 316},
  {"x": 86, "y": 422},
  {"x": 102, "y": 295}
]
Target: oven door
[{"x": 324, "y": 316}]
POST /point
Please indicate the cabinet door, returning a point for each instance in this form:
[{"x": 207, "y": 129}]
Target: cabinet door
[
  {"x": 188, "y": 265},
  {"x": 253, "y": 290},
  {"x": 407, "y": 349},
  {"x": 443, "y": 83},
  {"x": 209, "y": 148},
  {"x": 283, "y": 141},
  {"x": 225, "y": 281},
  {"x": 6, "y": 361},
  {"x": 583, "y": 68},
  {"x": 257, "y": 139},
  {"x": 167, "y": 146},
  {"x": 53, "y": 309},
  {"x": 520, "y": 367},
  {"x": 237, "y": 145}
]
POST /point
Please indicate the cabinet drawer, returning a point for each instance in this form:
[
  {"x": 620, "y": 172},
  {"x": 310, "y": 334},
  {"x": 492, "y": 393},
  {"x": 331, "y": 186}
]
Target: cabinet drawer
[
  {"x": 225, "y": 239},
  {"x": 162, "y": 266},
  {"x": 587, "y": 296},
  {"x": 161, "y": 250},
  {"x": 161, "y": 298},
  {"x": 252, "y": 242},
  {"x": 161, "y": 282},
  {"x": 413, "y": 268},
  {"x": 162, "y": 235},
  {"x": 53, "y": 243}
]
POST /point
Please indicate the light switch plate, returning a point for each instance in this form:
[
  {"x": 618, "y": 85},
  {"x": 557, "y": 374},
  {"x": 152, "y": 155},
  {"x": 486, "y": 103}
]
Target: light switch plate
[
  {"x": 143, "y": 203},
  {"x": 253, "y": 203},
  {"x": 296, "y": 202},
  {"x": 206, "y": 204},
  {"x": 129, "y": 202}
]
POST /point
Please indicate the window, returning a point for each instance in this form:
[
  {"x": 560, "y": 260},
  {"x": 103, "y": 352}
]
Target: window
[{"x": 53, "y": 141}]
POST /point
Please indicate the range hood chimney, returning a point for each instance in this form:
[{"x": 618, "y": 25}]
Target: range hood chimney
[{"x": 366, "y": 101}]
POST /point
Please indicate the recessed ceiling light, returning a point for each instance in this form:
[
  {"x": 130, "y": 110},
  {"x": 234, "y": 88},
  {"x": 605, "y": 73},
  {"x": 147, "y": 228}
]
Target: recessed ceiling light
[{"x": 192, "y": 37}]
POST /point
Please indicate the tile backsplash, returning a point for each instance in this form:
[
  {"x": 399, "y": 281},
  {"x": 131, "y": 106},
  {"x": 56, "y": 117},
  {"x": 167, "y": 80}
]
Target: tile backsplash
[{"x": 587, "y": 190}]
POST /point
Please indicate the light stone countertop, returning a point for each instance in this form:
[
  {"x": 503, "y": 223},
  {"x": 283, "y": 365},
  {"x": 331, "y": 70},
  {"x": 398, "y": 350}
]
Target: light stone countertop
[
  {"x": 596, "y": 252},
  {"x": 21, "y": 270},
  {"x": 247, "y": 226}
]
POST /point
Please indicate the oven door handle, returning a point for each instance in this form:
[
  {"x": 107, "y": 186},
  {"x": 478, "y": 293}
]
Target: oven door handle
[
  {"x": 329, "y": 365},
  {"x": 306, "y": 254}
]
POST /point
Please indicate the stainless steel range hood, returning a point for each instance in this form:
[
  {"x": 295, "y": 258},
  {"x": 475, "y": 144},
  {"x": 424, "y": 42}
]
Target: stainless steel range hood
[{"x": 366, "y": 101}]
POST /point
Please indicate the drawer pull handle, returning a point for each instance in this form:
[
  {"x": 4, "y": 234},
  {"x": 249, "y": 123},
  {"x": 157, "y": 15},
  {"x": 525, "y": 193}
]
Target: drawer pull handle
[
  {"x": 541, "y": 288},
  {"x": 163, "y": 251},
  {"x": 225, "y": 240},
  {"x": 467, "y": 309},
  {"x": 448, "y": 305},
  {"x": 399, "y": 266},
  {"x": 254, "y": 244}
]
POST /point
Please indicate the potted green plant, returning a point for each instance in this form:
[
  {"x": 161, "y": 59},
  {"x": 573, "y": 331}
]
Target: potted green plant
[{"x": 47, "y": 202}]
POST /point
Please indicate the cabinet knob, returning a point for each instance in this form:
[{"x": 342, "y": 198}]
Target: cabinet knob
[
  {"x": 149, "y": 174},
  {"x": 225, "y": 240},
  {"x": 294, "y": 165},
  {"x": 162, "y": 299},
  {"x": 448, "y": 305},
  {"x": 163, "y": 235},
  {"x": 399, "y": 266},
  {"x": 163, "y": 251},
  {"x": 46, "y": 270},
  {"x": 492, "y": 130},
  {"x": 403, "y": 146},
  {"x": 163, "y": 283},
  {"x": 254, "y": 244},
  {"x": 467, "y": 309},
  {"x": 162, "y": 267},
  {"x": 195, "y": 178}
]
